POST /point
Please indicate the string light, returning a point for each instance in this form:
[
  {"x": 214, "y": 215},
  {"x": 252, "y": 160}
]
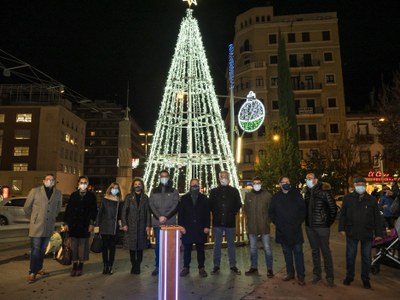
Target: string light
[{"x": 190, "y": 136}]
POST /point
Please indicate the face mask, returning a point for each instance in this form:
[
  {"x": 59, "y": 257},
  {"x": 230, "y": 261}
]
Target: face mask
[
  {"x": 137, "y": 188},
  {"x": 48, "y": 183},
  {"x": 257, "y": 187},
  {"x": 360, "y": 189},
  {"x": 114, "y": 191},
  {"x": 83, "y": 186},
  {"x": 286, "y": 186},
  {"x": 194, "y": 188},
  {"x": 310, "y": 183},
  {"x": 164, "y": 180},
  {"x": 224, "y": 181}
]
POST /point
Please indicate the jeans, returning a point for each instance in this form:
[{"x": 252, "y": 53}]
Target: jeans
[
  {"x": 297, "y": 251},
  {"x": 108, "y": 249},
  {"x": 351, "y": 253},
  {"x": 38, "y": 249},
  {"x": 187, "y": 255},
  {"x": 157, "y": 246},
  {"x": 254, "y": 254},
  {"x": 230, "y": 238},
  {"x": 319, "y": 242}
]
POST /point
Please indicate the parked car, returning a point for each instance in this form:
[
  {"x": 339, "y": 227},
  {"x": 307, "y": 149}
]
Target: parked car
[{"x": 12, "y": 211}]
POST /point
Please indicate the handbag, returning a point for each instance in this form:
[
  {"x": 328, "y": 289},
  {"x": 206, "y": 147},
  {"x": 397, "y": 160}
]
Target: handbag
[
  {"x": 97, "y": 244},
  {"x": 64, "y": 255}
]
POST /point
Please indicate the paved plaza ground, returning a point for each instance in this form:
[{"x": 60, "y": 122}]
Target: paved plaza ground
[{"x": 122, "y": 285}]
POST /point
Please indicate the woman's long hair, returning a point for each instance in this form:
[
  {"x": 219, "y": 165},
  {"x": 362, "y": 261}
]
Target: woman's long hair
[
  {"x": 133, "y": 182},
  {"x": 112, "y": 185}
]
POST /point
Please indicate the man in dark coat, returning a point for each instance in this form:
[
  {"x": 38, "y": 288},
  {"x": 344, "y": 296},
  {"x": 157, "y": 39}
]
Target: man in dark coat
[
  {"x": 225, "y": 203},
  {"x": 360, "y": 222},
  {"x": 321, "y": 214},
  {"x": 194, "y": 217},
  {"x": 287, "y": 211}
]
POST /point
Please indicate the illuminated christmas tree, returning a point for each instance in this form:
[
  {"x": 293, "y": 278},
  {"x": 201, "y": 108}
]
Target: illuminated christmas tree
[{"x": 190, "y": 139}]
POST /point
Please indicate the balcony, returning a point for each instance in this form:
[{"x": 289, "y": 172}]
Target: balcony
[
  {"x": 312, "y": 137},
  {"x": 307, "y": 86},
  {"x": 306, "y": 64},
  {"x": 309, "y": 110},
  {"x": 251, "y": 65},
  {"x": 364, "y": 139}
]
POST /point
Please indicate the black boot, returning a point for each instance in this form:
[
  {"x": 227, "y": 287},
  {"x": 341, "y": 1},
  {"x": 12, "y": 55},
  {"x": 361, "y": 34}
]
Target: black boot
[
  {"x": 74, "y": 269},
  {"x": 79, "y": 271},
  {"x": 105, "y": 269},
  {"x": 110, "y": 270},
  {"x": 133, "y": 261},
  {"x": 139, "y": 258}
]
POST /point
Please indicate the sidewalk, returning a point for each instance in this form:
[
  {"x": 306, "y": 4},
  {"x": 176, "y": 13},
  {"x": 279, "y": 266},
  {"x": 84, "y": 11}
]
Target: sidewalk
[{"x": 122, "y": 285}]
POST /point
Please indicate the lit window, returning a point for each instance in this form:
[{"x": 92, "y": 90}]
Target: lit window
[
  {"x": 24, "y": 118},
  {"x": 2, "y": 118},
  {"x": 93, "y": 133},
  {"x": 16, "y": 186},
  {"x": 23, "y": 167},
  {"x": 67, "y": 137},
  {"x": 21, "y": 151},
  {"x": 22, "y": 134},
  {"x": 274, "y": 81}
]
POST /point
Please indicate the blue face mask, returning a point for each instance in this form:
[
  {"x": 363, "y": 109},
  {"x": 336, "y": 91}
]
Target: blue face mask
[
  {"x": 310, "y": 183},
  {"x": 114, "y": 192},
  {"x": 286, "y": 186},
  {"x": 360, "y": 189}
]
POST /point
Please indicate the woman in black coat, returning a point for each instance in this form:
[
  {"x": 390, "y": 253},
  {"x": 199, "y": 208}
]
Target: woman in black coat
[
  {"x": 194, "y": 217},
  {"x": 80, "y": 216},
  {"x": 136, "y": 222},
  {"x": 107, "y": 220}
]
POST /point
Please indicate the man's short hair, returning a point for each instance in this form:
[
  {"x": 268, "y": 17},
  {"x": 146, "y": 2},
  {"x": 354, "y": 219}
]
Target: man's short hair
[
  {"x": 314, "y": 173},
  {"x": 49, "y": 174},
  {"x": 83, "y": 177},
  {"x": 224, "y": 172},
  {"x": 359, "y": 179},
  {"x": 257, "y": 178},
  {"x": 164, "y": 171}
]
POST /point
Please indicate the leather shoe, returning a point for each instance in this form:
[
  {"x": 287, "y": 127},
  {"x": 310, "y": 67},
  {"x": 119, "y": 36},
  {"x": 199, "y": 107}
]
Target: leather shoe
[
  {"x": 251, "y": 271},
  {"x": 270, "y": 274},
  {"x": 236, "y": 270},
  {"x": 366, "y": 284},
  {"x": 288, "y": 277},
  {"x": 347, "y": 281},
  {"x": 301, "y": 281},
  {"x": 184, "y": 272},
  {"x": 202, "y": 272},
  {"x": 43, "y": 272},
  {"x": 215, "y": 271}
]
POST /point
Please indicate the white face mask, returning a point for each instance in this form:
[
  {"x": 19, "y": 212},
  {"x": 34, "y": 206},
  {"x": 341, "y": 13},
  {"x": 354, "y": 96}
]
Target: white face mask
[
  {"x": 83, "y": 186},
  {"x": 224, "y": 181},
  {"x": 114, "y": 191},
  {"x": 257, "y": 187},
  {"x": 310, "y": 183},
  {"x": 164, "y": 180},
  {"x": 49, "y": 183}
]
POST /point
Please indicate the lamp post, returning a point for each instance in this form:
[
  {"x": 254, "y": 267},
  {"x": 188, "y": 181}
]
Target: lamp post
[{"x": 146, "y": 143}]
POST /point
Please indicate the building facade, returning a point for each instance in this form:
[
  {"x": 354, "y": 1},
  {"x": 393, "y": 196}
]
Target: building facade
[
  {"x": 313, "y": 49},
  {"x": 38, "y": 135},
  {"x": 101, "y": 143}
]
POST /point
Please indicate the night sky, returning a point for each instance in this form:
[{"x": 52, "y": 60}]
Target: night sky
[{"x": 94, "y": 47}]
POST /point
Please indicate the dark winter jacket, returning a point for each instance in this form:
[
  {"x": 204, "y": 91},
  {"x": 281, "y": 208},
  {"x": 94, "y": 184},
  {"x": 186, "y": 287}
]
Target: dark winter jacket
[
  {"x": 194, "y": 218},
  {"x": 256, "y": 205},
  {"x": 108, "y": 216},
  {"x": 321, "y": 207},
  {"x": 287, "y": 212},
  {"x": 164, "y": 201},
  {"x": 137, "y": 218},
  {"x": 225, "y": 203},
  {"x": 81, "y": 212},
  {"x": 360, "y": 217}
]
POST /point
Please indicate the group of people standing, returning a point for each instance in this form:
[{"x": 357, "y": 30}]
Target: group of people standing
[{"x": 287, "y": 209}]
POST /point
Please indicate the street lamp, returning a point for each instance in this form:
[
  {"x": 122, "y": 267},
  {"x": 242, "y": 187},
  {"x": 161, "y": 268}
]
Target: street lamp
[
  {"x": 7, "y": 73},
  {"x": 146, "y": 143},
  {"x": 276, "y": 138}
]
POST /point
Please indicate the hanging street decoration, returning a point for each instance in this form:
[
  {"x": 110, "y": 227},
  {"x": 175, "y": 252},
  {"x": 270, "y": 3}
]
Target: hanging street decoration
[
  {"x": 190, "y": 2},
  {"x": 190, "y": 139},
  {"x": 251, "y": 114}
]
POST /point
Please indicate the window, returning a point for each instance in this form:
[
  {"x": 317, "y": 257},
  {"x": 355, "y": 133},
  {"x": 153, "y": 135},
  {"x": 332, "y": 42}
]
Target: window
[
  {"x": 2, "y": 118},
  {"x": 305, "y": 36},
  {"x": 246, "y": 46},
  {"x": 62, "y": 152},
  {"x": 273, "y": 59},
  {"x": 18, "y": 202},
  {"x": 365, "y": 157},
  {"x": 22, "y": 134},
  {"x": 275, "y": 105},
  {"x": 332, "y": 102},
  {"x": 314, "y": 153},
  {"x": 310, "y": 103},
  {"x": 24, "y": 118},
  {"x": 16, "y": 186},
  {"x": 307, "y": 132},
  {"x": 326, "y": 35},
  {"x": 292, "y": 60},
  {"x": 21, "y": 151},
  {"x": 312, "y": 132},
  {"x": 23, "y": 167},
  {"x": 330, "y": 79},
  {"x": 362, "y": 128},
  {"x": 328, "y": 56},
  {"x": 263, "y": 19},
  {"x": 248, "y": 156},
  {"x": 103, "y": 143},
  {"x": 272, "y": 39},
  {"x": 67, "y": 137},
  {"x": 274, "y": 81},
  {"x": 307, "y": 58},
  {"x": 335, "y": 154},
  {"x": 93, "y": 133},
  {"x": 261, "y": 153},
  {"x": 334, "y": 128},
  {"x": 291, "y": 37},
  {"x": 259, "y": 81},
  {"x": 257, "y": 19}
]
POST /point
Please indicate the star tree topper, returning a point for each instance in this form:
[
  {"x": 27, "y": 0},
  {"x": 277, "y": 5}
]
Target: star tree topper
[{"x": 190, "y": 2}]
